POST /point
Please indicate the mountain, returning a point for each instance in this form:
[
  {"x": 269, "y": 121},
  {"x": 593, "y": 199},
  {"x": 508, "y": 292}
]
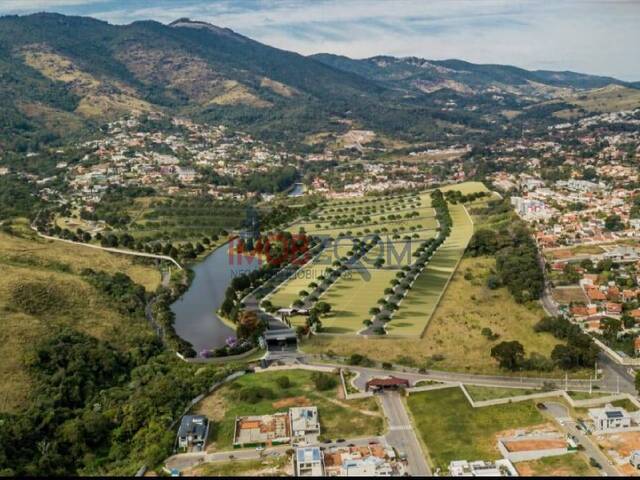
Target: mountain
[
  {"x": 417, "y": 74},
  {"x": 63, "y": 76},
  {"x": 55, "y": 68}
]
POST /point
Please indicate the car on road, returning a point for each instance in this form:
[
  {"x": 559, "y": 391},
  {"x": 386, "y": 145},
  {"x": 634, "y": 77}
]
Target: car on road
[
  {"x": 340, "y": 440},
  {"x": 541, "y": 406},
  {"x": 328, "y": 440},
  {"x": 259, "y": 448}
]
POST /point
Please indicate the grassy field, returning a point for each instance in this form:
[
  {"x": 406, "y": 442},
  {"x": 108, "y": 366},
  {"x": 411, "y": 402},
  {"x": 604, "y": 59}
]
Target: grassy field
[
  {"x": 271, "y": 466},
  {"x": 288, "y": 292},
  {"x": 489, "y": 393},
  {"x": 352, "y": 296},
  {"x": 31, "y": 250},
  {"x": 452, "y": 430},
  {"x": 338, "y": 418},
  {"x": 567, "y": 295},
  {"x": 572, "y": 465},
  {"x": 54, "y": 267},
  {"x": 418, "y": 306},
  {"x": 611, "y": 98},
  {"x": 453, "y": 339}
]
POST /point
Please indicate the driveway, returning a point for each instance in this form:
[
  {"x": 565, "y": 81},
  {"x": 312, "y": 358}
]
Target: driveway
[{"x": 401, "y": 434}]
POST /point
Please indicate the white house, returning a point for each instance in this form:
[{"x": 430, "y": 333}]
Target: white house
[
  {"x": 309, "y": 462},
  {"x": 609, "y": 418}
]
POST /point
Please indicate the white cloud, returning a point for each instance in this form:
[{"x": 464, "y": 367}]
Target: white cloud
[{"x": 31, "y": 5}]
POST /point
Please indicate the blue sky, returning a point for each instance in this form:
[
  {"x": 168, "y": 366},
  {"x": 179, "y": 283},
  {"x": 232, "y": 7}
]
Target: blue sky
[{"x": 591, "y": 36}]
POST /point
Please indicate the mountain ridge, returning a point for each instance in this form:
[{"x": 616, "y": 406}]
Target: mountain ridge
[{"x": 57, "y": 69}]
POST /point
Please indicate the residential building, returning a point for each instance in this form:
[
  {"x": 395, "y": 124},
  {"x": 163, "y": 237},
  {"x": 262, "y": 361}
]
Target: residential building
[
  {"x": 609, "y": 418},
  {"x": 305, "y": 426},
  {"x": 480, "y": 468},
  {"x": 309, "y": 462},
  {"x": 260, "y": 430},
  {"x": 193, "y": 432}
]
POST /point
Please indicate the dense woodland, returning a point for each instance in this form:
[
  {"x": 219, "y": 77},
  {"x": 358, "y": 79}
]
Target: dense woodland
[{"x": 97, "y": 409}]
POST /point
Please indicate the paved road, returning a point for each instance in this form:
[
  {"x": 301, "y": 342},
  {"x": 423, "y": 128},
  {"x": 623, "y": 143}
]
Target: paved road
[
  {"x": 366, "y": 373},
  {"x": 568, "y": 424},
  {"x": 182, "y": 461},
  {"x": 109, "y": 249},
  {"x": 401, "y": 434}
]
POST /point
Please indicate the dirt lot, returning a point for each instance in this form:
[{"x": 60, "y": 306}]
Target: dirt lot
[
  {"x": 569, "y": 294},
  {"x": 528, "y": 445},
  {"x": 542, "y": 428},
  {"x": 292, "y": 402},
  {"x": 619, "y": 446}
]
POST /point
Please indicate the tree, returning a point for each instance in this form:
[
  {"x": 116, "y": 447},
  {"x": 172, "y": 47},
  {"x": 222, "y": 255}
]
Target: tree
[
  {"x": 610, "y": 328},
  {"x": 613, "y": 223},
  {"x": 323, "y": 308},
  {"x": 509, "y": 355}
]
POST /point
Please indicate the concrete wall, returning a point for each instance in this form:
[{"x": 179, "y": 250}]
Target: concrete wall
[
  {"x": 521, "y": 398},
  {"x": 530, "y": 455},
  {"x": 616, "y": 357},
  {"x": 313, "y": 368}
]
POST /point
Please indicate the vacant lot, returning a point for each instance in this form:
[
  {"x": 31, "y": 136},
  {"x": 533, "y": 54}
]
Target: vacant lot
[
  {"x": 452, "y": 430},
  {"x": 338, "y": 418},
  {"x": 490, "y": 393},
  {"x": 568, "y": 295},
  {"x": 454, "y": 340},
  {"x": 418, "y": 306},
  {"x": 287, "y": 293},
  {"x": 271, "y": 466},
  {"x": 619, "y": 446},
  {"x": 571, "y": 465},
  {"x": 352, "y": 296}
]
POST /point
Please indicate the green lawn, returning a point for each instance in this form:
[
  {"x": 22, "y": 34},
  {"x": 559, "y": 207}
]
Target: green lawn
[
  {"x": 287, "y": 293},
  {"x": 420, "y": 303},
  {"x": 489, "y": 393},
  {"x": 403, "y": 227},
  {"x": 352, "y": 296},
  {"x": 572, "y": 465},
  {"x": 453, "y": 430},
  {"x": 338, "y": 419}
]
